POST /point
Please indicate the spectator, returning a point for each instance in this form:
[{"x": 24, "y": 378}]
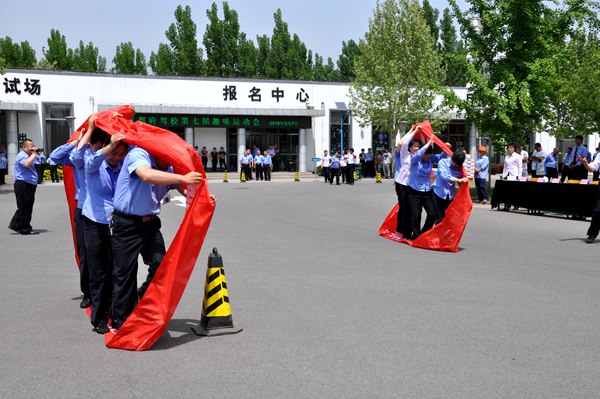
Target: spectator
[
  {"x": 386, "y": 161},
  {"x": 222, "y": 157},
  {"x": 551, "y": 162},
  {"x": 576, "y": 169},
  {"x": 204, "y": 155},
  {"x": 513, "y": 162},
  {"x": 370, "y": 163},
  {"x": 566, "y": 162},
  {"x": 326, "y": 165},
  {"x": 214, "y": 157},
  {"x": 538, "y": 157},
  {"x": 524, "y": 158},
  {"x": 482, "y": 166}
]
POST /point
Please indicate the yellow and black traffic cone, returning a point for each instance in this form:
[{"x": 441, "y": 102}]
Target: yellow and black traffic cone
[
  {"x": 297, "y": 178},
  {"x": 225, "y": 178},
  {"x": 378, "y": 177},
  {"x": 216, "y": 312},
  {"x": 243, "y": 178},
  {"x": 355, "y": 175}
]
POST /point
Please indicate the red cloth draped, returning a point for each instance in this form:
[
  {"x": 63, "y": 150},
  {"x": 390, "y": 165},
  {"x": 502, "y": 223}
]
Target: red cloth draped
[
  {"x": 446, "y": 235},
  {"x": 152, "y": 314}
]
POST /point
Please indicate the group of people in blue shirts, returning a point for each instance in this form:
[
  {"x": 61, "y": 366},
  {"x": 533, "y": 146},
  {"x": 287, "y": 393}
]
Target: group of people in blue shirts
[
  {"x": 119, "y": 193},
  {"x": 413, "y": 166},
  {"x": 261, "y": 164}
]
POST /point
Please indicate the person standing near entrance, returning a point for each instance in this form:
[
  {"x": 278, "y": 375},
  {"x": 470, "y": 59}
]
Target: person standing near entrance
[
  {"x": 258, "y": 165},
  {"x": 335, "y": 169},
  {"x": 26, "y": 179},
  {"x": 222, "y": 156},
  {"x": 267, "y": 165},
  {"x": 482, "y": 165},
  {"x": 326, "y": 165},
  {"x": 245, "y": 164},
  {"x": 214, "y": 156},
  {"x": 370, "y": 164},
  {"x": 204, "y": 156},
  {"x": 352, "y": 161},
  {"x": 3, "y": 167}
]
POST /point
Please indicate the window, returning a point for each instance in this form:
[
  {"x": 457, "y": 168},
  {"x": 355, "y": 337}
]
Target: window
[
  {"x": 337, "y": 136},
  {"x": 57, "y": 130}
]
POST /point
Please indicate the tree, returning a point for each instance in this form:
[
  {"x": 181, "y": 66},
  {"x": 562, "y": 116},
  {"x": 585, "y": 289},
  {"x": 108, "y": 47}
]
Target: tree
[
  {"x": 431, "y": 16},
  {"x": 345, "y": 62},
  {"x": 398, "y": 71},
  {"x": 17, "y": 55},
  {"x": 58, "y": 55},
  {"x": 162, "y": 63},
  {"x": 277, "y": 63},
  {"x": 263, "y": 55},
  {"x": 453, "y": 52},
  {"x": 128, "y": 60},
  {"x": 510, "y": 44},
  {"x": 248, "y": 58},
  {"x": 86, "y": 58},
  {"x": 187, "y": 57}
]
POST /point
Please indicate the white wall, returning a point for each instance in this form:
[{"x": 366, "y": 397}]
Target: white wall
[{"x": 210, "y": 137}]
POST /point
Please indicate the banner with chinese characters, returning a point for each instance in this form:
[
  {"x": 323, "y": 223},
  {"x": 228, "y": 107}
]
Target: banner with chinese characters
[{"x": 234, "y": 121}]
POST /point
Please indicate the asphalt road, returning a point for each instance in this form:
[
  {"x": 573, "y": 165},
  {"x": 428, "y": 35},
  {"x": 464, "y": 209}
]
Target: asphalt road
[{"x": 329, "y": 308}]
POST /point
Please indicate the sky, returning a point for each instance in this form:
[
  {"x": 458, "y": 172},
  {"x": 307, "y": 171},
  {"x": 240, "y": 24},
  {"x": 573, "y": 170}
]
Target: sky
[{"x": 321, "y": 24}]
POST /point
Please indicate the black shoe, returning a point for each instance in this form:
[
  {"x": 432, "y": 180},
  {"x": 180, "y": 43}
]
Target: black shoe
[
  {"x": 101, "y": 328},
  {"x": 29, "y": 232},
  {"x": 590, "y": 239},
  {"x": 85, "y": 303}
]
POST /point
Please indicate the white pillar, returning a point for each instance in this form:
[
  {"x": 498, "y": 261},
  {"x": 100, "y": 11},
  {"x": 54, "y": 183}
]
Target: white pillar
[
  {"x": 189, "y": 135},
  {"x": 302, "y": 151},
  {"x": 473, "y": 141},
  {"x": 241, "y": 142},
  {"x": 13, "y": 139}
]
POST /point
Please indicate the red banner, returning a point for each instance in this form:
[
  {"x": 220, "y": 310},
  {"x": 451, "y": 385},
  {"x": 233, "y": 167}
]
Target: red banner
[
  {"x": 152, "y": 314},
  {"x": 446, "y": 235}
]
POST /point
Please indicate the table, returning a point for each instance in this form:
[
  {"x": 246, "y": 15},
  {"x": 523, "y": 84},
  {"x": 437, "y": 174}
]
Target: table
[{"x": 567, "y": 199}]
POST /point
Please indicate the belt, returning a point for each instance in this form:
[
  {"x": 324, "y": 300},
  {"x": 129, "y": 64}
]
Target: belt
[{"x": 135, "y": 218}]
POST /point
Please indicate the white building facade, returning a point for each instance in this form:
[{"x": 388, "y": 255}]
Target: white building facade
[{"x": 301, "y": 118}]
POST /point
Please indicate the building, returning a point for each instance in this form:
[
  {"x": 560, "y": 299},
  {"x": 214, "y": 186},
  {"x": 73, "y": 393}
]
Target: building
[{"x": 301, "y": 118}]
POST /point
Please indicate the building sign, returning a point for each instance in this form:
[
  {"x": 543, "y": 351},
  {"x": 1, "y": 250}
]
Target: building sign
[
  {"x": 233, "y": 121},
  {"x": 255, "y": 94},
  {"x": 14, "y": 85}
]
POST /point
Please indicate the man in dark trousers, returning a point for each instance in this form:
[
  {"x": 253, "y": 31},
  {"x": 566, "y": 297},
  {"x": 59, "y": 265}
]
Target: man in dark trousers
[
  {"x": 26, "y": 180},
  {"x": 135, "y": 228}
]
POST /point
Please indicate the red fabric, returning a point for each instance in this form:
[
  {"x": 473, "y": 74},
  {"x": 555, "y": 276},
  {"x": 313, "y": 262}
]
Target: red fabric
[
  {"x": 446, "y": 235},
  {"x": 153, "y": 313}
]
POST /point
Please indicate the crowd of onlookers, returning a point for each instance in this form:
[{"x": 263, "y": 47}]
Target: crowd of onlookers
[{"x": 548, "y": 164}]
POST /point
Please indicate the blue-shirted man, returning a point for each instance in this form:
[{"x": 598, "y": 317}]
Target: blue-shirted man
[
  {"x": 26, "y": 179},
  {"x": 135, "y": 229},
  {"x": 245, "y": 165},
  {"x": 258, "y": 166},
  {"x": 62, "y": 156},
  {"x": 551, "y": 163},
  {"x": 267, "y": 164},
  {"x": 3, "y": 167},
  {"x": 419, "y": 188},
  {"x": 450, "y": 172},
  {"x": 482, "y": 166},
  {"x": 101, "y": 169}
]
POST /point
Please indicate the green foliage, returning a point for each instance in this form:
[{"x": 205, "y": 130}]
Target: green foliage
[
  {"x": 17, "y": 55},
  {"x": 399, "y": 70},
  {"x": 130, "y": 61},
  {"x": 162, "y": 63},
  {"x": 228, "y": 52},
  {"x": 58, "y": 55},
  {"x": 182, "y": 56},
  {"x": 519, "y": 77},
  {"x": 345, "y": 63},
  {"x": 86, "y": 58},
  {"x": 431, "y": 15}
]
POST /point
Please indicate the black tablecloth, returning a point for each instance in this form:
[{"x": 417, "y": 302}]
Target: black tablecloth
[{"x": 568, "y": 199}]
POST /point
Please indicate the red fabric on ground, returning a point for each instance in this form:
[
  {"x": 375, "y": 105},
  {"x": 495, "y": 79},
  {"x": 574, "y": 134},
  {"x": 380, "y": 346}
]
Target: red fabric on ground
[{"x": 446, "y": 235}]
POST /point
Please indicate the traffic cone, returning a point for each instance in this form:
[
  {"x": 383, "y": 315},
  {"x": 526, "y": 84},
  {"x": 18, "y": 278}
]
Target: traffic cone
[
  {"x": 297, "y": 178},
  {"x": 216, "y": 312},
  {"x": 243, "y": 177},
  {"x": 378, "y": 177},
  {"x": 355, "y": 175},
  {"x": 225, "y": 178}
]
